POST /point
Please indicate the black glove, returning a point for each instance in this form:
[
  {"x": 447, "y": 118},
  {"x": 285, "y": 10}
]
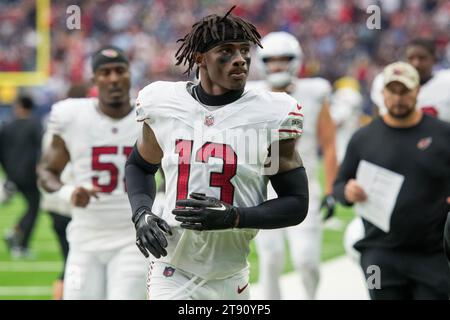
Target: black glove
[
  {"x": 328, "y": 204},
  {"x": 150, "y": 231},
  {"x": 205, "y": 213}
]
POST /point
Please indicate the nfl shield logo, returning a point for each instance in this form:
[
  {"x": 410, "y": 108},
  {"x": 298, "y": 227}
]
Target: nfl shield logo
[
  {"x": 168, "y": 272},
  {"x": 209, "y": 120}
]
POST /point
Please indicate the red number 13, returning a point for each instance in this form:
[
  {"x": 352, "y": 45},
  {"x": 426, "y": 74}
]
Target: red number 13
[{"x": 221, "y": 180}]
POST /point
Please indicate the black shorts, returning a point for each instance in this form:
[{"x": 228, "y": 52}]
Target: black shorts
[{"x": 407, "y": 275}]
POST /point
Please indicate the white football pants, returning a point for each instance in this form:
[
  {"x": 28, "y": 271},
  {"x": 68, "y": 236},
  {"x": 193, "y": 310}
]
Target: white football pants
[
  {"x": 114, "y": 274},
  {"x": 353, "y": 233},
  {"x": 166, "y": 282}
]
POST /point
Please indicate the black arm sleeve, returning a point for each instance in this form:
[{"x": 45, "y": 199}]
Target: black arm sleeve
[
  {"x": 290, "y": 208},
  {"x": 347, "y": 171},
  {"x": 140, "y": 181}
]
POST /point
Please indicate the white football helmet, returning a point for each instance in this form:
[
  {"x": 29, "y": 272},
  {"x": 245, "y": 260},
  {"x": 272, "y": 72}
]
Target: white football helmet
[{"x": 280, "y": 44}]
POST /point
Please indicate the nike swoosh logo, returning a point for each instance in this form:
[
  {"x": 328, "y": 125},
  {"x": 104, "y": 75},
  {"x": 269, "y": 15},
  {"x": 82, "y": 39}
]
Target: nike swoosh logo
[
  {"x": 221, "y": 208},
  {"x": 239, "y": 290}
]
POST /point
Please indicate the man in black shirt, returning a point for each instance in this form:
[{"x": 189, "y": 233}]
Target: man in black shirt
[
  {"x": 20, "y": 142},
  {"x": 410, "y": 256}
]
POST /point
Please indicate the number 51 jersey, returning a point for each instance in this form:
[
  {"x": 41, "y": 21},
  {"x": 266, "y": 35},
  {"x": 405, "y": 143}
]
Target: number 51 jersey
[
  {"x": 220, "y": 153},
  {"x": 98, "y": 147}
]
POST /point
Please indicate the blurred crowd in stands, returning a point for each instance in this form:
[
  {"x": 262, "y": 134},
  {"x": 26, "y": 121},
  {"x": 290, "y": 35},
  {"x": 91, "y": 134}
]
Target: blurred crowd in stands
[{"x": 335, "y": 38}]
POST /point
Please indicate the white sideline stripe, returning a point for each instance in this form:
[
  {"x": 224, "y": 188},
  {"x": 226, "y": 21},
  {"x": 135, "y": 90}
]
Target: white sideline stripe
[
  {"x": 31, "y": 266},
  {"x": 49, "y": 246},
  {"x": 25, "y": 291},
  {"x": 341, "y": 279}
]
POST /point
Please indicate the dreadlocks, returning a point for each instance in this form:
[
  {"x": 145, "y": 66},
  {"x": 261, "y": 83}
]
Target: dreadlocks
[{"x": 212, "y": 30}]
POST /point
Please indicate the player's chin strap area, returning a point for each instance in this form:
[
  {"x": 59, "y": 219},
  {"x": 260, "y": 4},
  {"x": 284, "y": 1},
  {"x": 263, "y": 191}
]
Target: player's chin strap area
[{"x": 187, "y": 295}]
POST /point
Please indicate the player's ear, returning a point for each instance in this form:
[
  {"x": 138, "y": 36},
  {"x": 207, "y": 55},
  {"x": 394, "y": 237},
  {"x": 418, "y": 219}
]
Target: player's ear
[{"x": 199, "y": 59}]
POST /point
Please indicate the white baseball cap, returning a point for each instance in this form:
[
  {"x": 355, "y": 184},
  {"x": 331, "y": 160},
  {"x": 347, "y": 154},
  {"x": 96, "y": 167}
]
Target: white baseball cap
[{"x": 402, "y": 72}]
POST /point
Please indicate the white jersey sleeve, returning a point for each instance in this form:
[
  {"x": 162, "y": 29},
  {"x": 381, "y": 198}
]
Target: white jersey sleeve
[
  {"x": 322, "y": 88},
  {"x": 53, "y": 201},
  {"x": 59, "y": 119},
  {"x": 376, "y": 94},
  {"x": 158, "y": 106},
  {"x": 148, "y": 103},
  {"x": 65, "y": 116},
  {"x": 59, "y": 123},
  {"x": 144, "y": 104},
  {"x": 291, "y": 122},
  {"x": 436, "y": 95}
]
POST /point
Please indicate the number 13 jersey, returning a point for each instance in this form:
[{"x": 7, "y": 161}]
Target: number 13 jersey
[{"x": 220, "y": 153}]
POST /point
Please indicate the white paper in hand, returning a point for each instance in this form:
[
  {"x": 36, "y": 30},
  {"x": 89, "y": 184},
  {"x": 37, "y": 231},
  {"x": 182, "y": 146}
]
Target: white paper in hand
[{"x": 382, "y": 187}]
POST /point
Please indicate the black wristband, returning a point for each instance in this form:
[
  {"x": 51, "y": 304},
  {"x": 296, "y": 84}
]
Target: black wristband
[{"x": 139, "y": 212}]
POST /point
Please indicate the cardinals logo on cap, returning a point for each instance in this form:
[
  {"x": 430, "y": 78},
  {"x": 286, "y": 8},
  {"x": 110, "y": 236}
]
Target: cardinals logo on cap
[
  {"x": 398, "y": 71},
  {"x": 110, "y": 53}
]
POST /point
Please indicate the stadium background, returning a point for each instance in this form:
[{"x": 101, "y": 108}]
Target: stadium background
[{"x": 334, "y": 36}]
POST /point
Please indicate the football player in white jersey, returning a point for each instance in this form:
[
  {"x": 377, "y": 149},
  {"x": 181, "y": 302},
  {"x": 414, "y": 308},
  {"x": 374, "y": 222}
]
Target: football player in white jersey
[
  {"x": 434, "y": 94},
  {"x": 281, "y": 58},
  {"x": 346, "y": 111},
  {"x": 212, "y": 140},
  {"x": 96, "y": 136}
]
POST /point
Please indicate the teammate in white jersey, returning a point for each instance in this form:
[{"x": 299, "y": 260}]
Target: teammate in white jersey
[
  {"x": 96, "y": 136},
  {"x": 212, "y": 140},
  {"x": 281, "y": 58},
  {"x": 346, "y": 111},
  {"x": 434, "y": 94}
]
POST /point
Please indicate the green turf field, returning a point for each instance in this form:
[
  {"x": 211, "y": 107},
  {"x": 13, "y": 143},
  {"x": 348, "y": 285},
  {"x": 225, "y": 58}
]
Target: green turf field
[{"x": 33, "y": 278}]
